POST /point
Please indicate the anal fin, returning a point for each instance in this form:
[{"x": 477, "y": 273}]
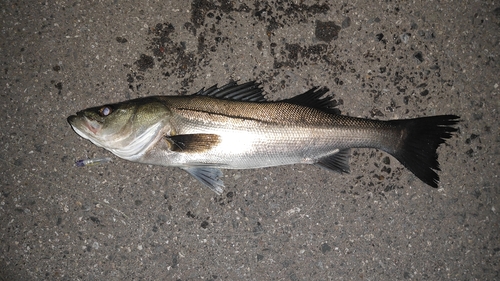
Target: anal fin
[
  {"x": 338, "y": 162},
  {"x": 208, "y": 176}
]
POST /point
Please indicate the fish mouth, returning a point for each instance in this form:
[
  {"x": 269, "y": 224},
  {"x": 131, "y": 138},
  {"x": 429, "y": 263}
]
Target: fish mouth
[
  {"x": 81, "y": 123},
  {"x": 72, "y": 119}
]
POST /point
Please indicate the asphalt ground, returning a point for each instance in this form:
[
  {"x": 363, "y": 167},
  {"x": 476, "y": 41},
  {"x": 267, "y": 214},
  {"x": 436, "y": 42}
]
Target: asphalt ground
[{"x": 127, "y": 221}]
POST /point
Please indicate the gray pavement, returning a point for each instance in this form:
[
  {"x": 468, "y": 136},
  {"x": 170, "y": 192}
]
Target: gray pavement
[{"x": 127, "y": 221}]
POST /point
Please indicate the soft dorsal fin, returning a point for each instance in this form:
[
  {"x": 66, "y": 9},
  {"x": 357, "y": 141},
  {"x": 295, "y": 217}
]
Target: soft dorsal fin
[
  {"x": 314, "y": 98},
  {"x": 249, "y": 91}
]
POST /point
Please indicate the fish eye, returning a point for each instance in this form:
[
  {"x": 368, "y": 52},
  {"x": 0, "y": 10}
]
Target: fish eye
[{"x": 105, "y": 111}]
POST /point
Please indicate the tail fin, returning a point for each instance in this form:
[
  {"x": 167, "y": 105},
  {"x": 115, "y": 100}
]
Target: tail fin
[{"x": 420, "y": 139}]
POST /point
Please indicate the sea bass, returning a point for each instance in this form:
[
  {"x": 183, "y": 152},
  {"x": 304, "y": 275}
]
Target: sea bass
[{"x": 235, "y": 127}]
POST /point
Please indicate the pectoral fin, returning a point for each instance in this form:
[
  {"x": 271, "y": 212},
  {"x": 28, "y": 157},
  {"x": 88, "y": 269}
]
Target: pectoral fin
[
  {"x": 192, "y": 143},
  {"x": 338, "y": 162},
  {"x": 208, "y": 176}
]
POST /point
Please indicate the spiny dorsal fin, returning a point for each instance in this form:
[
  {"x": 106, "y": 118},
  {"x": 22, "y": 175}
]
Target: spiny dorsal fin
[
  {"x": 192, "y": 143},
  {"x": 249, "y": 91},
  {"x": 314, "y": 98}
]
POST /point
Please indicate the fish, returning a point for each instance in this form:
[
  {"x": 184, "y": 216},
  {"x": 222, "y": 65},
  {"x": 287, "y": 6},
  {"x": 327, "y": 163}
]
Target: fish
[{"x": 236, "y": 127}]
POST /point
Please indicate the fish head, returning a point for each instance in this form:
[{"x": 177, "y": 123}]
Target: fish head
[{"x": 126, "y": 129}]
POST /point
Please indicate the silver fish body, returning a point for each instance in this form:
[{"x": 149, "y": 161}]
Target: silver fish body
[{"x": 235, "y": 127}]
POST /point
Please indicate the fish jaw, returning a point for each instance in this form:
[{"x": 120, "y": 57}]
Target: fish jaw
[{"x": 85, "y": 127}]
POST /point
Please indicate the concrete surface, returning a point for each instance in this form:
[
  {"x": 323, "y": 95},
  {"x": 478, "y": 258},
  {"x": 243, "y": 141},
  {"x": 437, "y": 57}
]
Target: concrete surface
[{"x": 126, "y": 221}]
